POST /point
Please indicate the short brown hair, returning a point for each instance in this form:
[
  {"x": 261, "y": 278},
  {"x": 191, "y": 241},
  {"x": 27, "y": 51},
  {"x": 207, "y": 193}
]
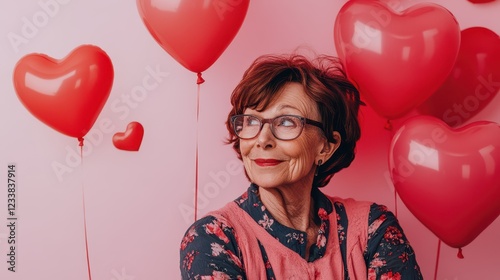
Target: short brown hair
[{"x": 324, "y": 81}]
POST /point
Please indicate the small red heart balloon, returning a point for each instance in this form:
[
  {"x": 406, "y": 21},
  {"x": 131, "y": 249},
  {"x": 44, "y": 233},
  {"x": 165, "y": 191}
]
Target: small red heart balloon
[
  {"x": 473, "y": 82},
  {"x": 68, "y": 94},
  {"x": 195, "y": 33},
  {"x": 397, "y": 59},
  {"x": 131, "y": 139},
  {"x": 448, "y": 178}
]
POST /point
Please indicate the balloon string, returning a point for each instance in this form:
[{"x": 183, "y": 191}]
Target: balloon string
[
  {"x": 437, "y": 259},
  {"x": 86, "y": 239},
  {"x": 388, "y": 126},
  {"x": 80, "y": 139},
  {"x": 196, "y": 160},
  {"x": 395, "y": 202}
]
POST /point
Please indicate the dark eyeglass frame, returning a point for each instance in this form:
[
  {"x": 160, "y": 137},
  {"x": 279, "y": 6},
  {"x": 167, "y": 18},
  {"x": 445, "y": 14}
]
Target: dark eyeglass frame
[{"x": 271, "y": 126}]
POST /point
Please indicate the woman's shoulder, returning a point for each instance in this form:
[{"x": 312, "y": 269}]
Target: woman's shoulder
[
  {"x": 209, "y": 245},
  {"x": 374, "y": 210},
  {"x": 215, "y": 218},
  {"x": 377, "y": 216},
  {"x": 213, "y": 227},
  {"x": 352, "y": 205}
]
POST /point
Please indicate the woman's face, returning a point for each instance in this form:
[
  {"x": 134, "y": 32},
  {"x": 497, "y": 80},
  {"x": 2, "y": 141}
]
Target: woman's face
[{"x": 270, "y": 162}]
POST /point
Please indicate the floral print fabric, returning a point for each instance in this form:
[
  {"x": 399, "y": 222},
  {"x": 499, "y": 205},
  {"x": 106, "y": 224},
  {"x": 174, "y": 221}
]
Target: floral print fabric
[{"x": 209, "y": 249}]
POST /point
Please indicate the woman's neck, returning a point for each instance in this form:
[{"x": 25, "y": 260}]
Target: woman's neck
[{"x": 290, "y": 206}]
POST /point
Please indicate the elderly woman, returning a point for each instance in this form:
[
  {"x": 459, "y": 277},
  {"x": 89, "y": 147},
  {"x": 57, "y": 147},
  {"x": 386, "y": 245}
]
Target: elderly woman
[{"x": 294, "y": 125}]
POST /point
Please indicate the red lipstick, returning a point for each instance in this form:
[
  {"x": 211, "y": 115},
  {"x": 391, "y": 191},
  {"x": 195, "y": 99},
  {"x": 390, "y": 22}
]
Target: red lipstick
[{"x": 267, "y": 162}]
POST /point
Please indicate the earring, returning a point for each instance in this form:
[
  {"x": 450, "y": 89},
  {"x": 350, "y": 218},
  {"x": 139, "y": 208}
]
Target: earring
[{"x": 319, "y": 164}]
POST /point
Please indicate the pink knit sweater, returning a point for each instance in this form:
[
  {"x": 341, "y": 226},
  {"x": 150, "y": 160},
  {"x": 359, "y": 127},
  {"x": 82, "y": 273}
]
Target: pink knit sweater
[{"x": 286, "y": 263}]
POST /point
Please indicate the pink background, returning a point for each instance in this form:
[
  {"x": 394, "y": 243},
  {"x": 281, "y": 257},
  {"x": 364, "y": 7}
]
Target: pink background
[{"x": 136, "y": 202}]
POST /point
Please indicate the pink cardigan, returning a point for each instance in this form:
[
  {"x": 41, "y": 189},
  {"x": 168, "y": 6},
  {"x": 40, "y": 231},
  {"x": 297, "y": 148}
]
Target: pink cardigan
[{"x": 286, "y": 263}]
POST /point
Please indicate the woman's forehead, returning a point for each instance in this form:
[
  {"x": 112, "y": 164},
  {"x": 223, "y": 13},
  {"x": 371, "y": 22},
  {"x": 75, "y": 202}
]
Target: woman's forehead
[{"x": 292, "y": 97}]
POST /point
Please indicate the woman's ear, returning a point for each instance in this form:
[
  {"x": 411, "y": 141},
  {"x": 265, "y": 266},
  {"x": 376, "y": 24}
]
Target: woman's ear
[{"x": 329, "y": 148}]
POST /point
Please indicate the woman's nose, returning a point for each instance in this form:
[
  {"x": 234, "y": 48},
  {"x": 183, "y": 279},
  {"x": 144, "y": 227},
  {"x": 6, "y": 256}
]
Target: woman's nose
[{"x": 266, "y": 138}]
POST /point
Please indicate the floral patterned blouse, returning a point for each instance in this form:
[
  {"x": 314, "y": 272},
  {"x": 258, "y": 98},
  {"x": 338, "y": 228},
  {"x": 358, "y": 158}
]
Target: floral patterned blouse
[{"x": 209, "y": 249}]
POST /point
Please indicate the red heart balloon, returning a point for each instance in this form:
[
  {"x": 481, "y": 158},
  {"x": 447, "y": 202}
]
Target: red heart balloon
[
  {"x": 195, "y": 33},
  {"x": 473, "y": 82},
  {"x": 397, "y": 59},
  {"x": 448, "y": 178},
  {"x": 68, "y": 94},
  {"x": 131, "y": 139}
]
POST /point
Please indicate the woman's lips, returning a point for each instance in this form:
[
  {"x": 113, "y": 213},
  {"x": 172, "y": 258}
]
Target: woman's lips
[{"x": 267, "y": 162}]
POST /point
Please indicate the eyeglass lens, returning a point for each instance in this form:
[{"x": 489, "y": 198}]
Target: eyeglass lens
[{"x": 282, "y": 127}]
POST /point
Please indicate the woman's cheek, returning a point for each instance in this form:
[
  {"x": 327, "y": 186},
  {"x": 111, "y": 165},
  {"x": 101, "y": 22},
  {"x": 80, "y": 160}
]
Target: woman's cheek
[{"x": 244, "y": 148}]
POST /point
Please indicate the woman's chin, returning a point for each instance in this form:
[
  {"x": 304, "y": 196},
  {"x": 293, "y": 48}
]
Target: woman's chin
[{"x": 265, "y": 184}]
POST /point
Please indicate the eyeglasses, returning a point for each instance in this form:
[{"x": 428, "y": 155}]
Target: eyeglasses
[{"x": 285, "y": 127}]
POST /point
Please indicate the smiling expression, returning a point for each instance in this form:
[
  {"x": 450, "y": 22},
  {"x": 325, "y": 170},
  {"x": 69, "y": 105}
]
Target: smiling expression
[{"x": 270, "y": 162}]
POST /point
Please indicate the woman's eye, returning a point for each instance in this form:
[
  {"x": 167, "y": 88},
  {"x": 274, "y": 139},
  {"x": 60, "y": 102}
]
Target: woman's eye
[
  {"x": 252, "y": 122},
  {"x": 288, "y": 122}
]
